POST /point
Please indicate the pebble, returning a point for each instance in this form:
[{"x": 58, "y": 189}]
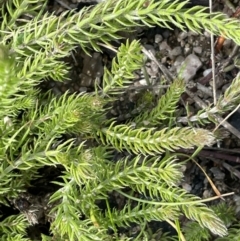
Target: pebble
[
  {"x": 218, "y": 174},
  {"x": 207, "y": 194},
  {"x": 158, "y": 38},
  {"x": 187, "y": 49},
  {"x": 187, "y": 187},
  {"x": 164, "y": 46},
  {"x": 197, "y": 50},
  {"x": 166, "y": 34},
  {"x": 182, "y": 36},
  {"x": 206, "y": 72},
  {"x": 83, "y": 89},
  {"x": 196, "y": 43},
  {"x": 164, "y": 60},
  {"x": 176, "y": 51},
  {"x": 202, "y": 38},
  {"x": 183, "y": 168},
  {"x": 207, "y": 34},
  {"x": 142, "y": 82},
  {"x": 189, "y": 67},
  {"x": 191, "y": 40},
  {"x": 182, "y": 43},
  {"x": 192, "y": 33},
  {"x": 179, "y": 60}
]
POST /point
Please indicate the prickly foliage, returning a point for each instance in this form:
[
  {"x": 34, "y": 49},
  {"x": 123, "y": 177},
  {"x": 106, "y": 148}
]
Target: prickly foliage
[{"x": 71, "y": 132}]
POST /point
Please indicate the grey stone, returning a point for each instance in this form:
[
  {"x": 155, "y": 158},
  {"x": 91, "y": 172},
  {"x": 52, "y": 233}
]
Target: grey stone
[
  {"x": 182, "y": 36},
  {"x": 164, "y": 46},
  {"x": 189, "y": 67},
  {"x": 218, "y": 174},
  {"x": 179, "y": 60},
  {"x": 187, "y": 48},
  {"x": 176, "y": 51},
  {"x": 187, "y": 187},
  {"x": 197, "y": 49},
  {"x": 158, "y": 38},
  {"x": 206, "y": 72}
]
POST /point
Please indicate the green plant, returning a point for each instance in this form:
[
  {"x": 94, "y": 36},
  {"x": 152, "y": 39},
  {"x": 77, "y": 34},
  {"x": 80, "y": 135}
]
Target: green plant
[
  {"x": 71, "y": 133},
  {"x": 234, "y": 234},
  {"x": 194, "y": 232}
]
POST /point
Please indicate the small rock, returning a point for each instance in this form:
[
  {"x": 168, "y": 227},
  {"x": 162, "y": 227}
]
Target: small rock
[
  {"x": 207, "y": 34},
  {"x": 197, "y": 50},
  {"x": 142, "y": 82},
  {"x": 187, "y": 187},
  {"x": 164, "y": 46},
  {"x": 202, "y": 38},
  {"x": 83, "y": 89},
  {"x": 187, "y": 49},
  {"x": 182, "y": 36},
  {"x": 196, "y": 43},
  {"x": 218, "y": 174},
  {"x": 166, "y": 34},
  {"x": 189, "y": 67},
  {"x": 182, "y": 43},
  {"x": 176, "y": 51},
  {"x": 158, "y": 38},
  {"x": 206, "y": 72},
  {"x": 183, "y": 168},
  {"x": 172, "y": 69},
  {"x": 191, "y": 33},
  {"x": 179, "y": 60},
  {"x": 164, "y": 60},
  {"x": 190, "y": 40},
  {"x": 207, "y": 194}
]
